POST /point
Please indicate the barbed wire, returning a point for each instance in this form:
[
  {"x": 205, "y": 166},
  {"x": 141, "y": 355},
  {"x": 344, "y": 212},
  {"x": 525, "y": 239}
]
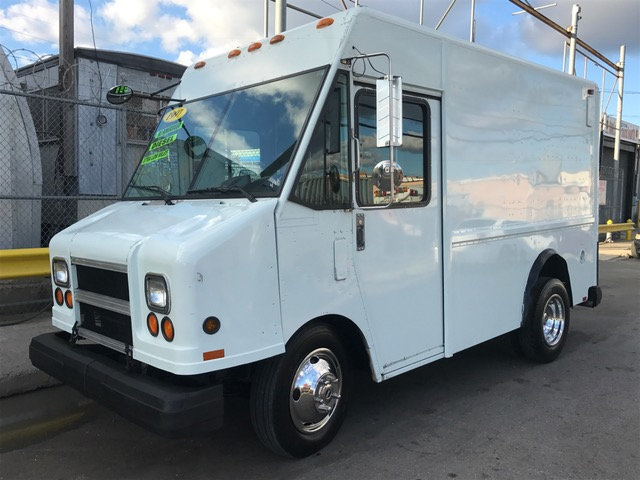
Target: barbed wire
[{"x": 38, "y": 64}]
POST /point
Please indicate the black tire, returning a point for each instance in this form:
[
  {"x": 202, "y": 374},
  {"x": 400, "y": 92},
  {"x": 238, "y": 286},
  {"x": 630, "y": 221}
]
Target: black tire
[
  {"x": 277, "y": 406},
  {"x": 549, "y": 305}
]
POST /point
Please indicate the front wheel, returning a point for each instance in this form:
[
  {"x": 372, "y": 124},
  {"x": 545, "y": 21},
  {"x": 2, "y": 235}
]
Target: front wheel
[
  {"x": 299, "y": 399},
  {"x": 546, "y": 325}
]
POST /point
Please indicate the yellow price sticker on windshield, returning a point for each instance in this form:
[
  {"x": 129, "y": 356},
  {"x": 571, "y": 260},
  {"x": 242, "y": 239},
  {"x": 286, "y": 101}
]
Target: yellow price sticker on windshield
[
  {"x": 174, "y": 115},
  {"x": 154, "y": 157},
  {"x": 163, "y": 142}
]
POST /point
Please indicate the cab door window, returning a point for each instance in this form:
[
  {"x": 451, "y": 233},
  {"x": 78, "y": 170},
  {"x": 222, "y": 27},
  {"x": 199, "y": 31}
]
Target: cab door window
[{"x": 411, "y": 166}]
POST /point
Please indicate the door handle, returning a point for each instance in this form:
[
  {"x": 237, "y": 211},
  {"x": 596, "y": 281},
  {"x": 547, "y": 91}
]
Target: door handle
[{"x": 360, "y": 231}]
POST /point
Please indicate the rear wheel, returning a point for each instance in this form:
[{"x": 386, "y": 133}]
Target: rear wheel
[
  {"x": 546, "y": 325},
  {"x": 299, "y": 399}
]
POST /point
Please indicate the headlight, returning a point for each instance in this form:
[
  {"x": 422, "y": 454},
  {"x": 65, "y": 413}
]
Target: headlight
[
  {"x": 60, "y": 272},
  {"x": 157, "y": 293}
]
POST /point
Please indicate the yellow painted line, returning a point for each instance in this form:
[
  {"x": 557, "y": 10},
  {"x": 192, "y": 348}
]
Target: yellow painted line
[
  {"x": 24, "y": 262},
  {"x": 27, "y": 433}
]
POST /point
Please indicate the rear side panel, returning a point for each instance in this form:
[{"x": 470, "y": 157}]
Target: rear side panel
[{"x": 519, "y": 170}]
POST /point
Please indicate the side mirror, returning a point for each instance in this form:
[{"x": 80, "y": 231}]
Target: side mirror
[
  {"x": 389, "y": 112},
  {"x": 119, "y": 94}
]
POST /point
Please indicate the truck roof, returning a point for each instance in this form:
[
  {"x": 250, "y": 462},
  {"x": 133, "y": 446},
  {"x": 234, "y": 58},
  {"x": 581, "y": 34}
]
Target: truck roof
[{"x": 351, "y": 31}]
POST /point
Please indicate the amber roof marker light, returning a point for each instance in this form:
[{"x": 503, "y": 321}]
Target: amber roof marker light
[
  {"x": 276, "y": 39},
  {"x": 198, "y": 65},
  {"x": 234, "y": 53},
  {"x": 325, "y": 22},
  {"x": 254, "y": 46}
]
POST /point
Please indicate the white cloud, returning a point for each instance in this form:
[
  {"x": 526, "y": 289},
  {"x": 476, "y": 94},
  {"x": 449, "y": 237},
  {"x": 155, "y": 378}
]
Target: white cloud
[
  {"x": 38, "y": 22},
  {"x": 186, "y": 57},
  {"x": 38, "y": 19},
  {"x": 209, "y": 24}
]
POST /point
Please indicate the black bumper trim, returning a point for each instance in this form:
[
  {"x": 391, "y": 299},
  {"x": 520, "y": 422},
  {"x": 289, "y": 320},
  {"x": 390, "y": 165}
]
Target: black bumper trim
[
  {"x": 171, "y": 410},
  {"x": 594, "y": 297}
]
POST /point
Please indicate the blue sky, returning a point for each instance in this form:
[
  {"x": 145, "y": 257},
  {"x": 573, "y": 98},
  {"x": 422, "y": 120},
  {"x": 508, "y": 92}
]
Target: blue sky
[{"x": 187, "y": 30}]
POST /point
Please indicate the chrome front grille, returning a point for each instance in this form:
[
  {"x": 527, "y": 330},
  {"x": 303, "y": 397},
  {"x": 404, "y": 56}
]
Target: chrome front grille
[{"x": 103, "y": 298}]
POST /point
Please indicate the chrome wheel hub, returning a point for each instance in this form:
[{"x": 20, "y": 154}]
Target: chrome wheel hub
[
  {"x": 553, "y": 320},
  {"x": 315, "y": 391}
]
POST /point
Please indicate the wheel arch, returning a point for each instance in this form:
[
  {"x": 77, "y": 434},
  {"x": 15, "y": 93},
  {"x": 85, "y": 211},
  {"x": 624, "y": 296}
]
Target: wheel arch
[
  {"x": 548, "y": 264},
  {"x": 354, "y": 340}
]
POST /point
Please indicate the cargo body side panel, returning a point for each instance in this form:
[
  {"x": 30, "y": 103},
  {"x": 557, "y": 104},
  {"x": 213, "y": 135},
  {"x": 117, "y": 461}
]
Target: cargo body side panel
[{"x": 519, "y": 173}]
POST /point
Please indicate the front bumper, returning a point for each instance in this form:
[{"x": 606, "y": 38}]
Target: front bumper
[
  {"x": 594, "y": 297},
  {"x": 169, "y": 409}
]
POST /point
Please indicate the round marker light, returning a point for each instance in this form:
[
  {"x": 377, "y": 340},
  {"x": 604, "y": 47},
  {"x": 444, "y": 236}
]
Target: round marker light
[
  {"x": 254, "y": 46},
  {"x": 59, "y": 296},
  {"x": 199, "y": 65},
  {"x": 167, "y": 329},
  {"x": 211, "y": 325},
  {"x": 234, "y": 53},
  {"x": 153, "y": 325},
  {"x": 68, "y": 299}
]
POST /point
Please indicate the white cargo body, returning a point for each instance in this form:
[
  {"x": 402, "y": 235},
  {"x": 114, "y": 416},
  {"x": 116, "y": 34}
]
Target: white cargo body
[{"x": 281, "y": 226}]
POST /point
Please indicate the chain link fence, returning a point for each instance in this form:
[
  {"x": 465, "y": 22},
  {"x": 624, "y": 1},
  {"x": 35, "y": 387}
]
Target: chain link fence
[
  {"x": 64, "y": 152},
  {"x": 70, "y": 159}
]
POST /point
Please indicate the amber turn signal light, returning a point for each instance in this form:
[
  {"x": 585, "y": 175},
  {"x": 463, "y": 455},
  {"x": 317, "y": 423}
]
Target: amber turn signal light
[
  {"x": 68, "y": 298},
  {"x": 211, "y": 325},
  {"x": 167, "y": 329},
  {"x": 153, "y": 325},
  {"x": 59, "y": 296}
]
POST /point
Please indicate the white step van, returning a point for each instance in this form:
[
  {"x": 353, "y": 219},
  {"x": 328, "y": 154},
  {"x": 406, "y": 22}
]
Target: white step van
[{"x": 359, "y": 191}]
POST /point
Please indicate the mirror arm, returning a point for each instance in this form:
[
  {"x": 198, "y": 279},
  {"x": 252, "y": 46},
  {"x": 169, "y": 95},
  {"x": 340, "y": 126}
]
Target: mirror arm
[
  {"x": 152, "y": 96},
  {"x": 165, "y": 88}
]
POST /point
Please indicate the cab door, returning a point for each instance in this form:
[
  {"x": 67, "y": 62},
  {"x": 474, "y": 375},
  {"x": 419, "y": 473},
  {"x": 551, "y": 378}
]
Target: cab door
[{"x": 398, "y": 258}]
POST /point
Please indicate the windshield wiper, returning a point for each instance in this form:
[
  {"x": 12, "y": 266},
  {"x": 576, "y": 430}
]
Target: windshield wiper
[
  {"x": 233, "y": 188},
  {"x": 166, "y": 196}
]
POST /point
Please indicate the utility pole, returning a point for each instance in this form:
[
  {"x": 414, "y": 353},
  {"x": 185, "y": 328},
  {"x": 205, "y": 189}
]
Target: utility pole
[
  {"x": 281, "y": 16},
  {"x": 616, "y": 145},
  {"x": 575, "y": 11},
  {"x": 65, "y": 40},
  {"x": 66, "y": 84}
]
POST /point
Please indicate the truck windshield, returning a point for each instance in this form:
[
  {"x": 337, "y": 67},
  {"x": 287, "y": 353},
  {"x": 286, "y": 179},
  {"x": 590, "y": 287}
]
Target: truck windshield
[{"x": 238, "y": 143}]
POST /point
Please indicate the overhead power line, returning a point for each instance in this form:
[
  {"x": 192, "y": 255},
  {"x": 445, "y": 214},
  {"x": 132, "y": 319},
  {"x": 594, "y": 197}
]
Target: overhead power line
[
  {"x": 28, "y": 34},
  {"x": 563, "y": 31}
]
